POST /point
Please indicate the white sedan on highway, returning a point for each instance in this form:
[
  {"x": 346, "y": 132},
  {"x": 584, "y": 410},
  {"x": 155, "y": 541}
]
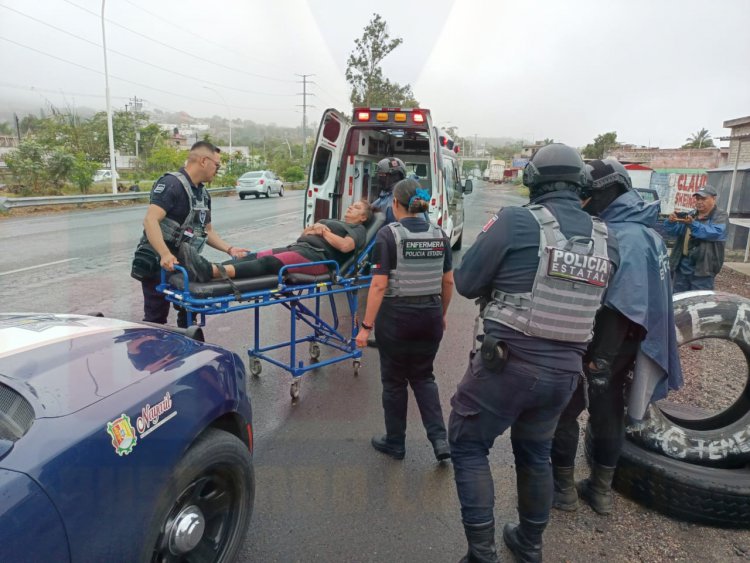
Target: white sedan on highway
[{"x": 259, "y": 182}]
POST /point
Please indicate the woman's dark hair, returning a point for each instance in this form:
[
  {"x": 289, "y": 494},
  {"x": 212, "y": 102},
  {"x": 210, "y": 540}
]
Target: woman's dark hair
[{"x": 411, "y": 196}]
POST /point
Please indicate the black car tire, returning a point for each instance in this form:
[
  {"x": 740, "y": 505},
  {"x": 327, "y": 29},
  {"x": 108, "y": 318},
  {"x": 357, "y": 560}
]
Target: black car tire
[
  {"x": 216, "y": 473},
  {"x": 257, "y": 196},
  {"x": 281, "y": 191},
  {"x": 268, "y": 192},
  {"x": 684, "y": 433},
  {"x": 705, "y": 495},
  {"x": 242, "y": 196}
]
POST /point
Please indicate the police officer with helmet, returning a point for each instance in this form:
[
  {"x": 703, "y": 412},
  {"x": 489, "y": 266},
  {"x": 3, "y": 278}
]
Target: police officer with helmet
[
  {"x": 179, "y": 211},
  {"x": 390, "y": 171},
  {"x": 635, "y": 327},
  {"x": 539, "y": 272},
  {"x": 408, "y": 299}
]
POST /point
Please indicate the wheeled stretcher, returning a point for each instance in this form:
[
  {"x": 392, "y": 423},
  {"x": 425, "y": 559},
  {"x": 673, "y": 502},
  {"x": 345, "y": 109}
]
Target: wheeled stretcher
[{"x": 307, "y": 298}]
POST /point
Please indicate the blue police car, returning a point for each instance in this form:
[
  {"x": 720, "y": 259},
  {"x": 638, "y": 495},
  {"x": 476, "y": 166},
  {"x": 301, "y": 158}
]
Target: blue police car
[{"x": 120, "y": 442}]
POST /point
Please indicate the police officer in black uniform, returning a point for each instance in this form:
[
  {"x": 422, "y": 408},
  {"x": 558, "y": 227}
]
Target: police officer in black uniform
[
  {"x": 540, "y": 272},
  {"x": 390, "y": 171},
  {"x": 408, "y": 299},
  {"x": 179, "y": 211}
]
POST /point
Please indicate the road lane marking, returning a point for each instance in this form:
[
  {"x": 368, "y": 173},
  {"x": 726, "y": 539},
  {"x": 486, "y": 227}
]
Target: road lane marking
[{"x": 39, "y": 266}]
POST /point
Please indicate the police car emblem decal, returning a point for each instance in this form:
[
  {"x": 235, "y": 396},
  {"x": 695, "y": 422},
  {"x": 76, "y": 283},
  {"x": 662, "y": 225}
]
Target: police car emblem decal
[
  {"x": 150, "y": 416},
  {"x": 159, "y": 188},
  {"x": 123, "y": 435},
  {"x": 489, "y": 223}
]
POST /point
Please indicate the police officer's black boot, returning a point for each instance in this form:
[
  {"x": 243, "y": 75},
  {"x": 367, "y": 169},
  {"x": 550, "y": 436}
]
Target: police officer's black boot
[
  {"x": 181, "y": 318},
  {"x": 597, "y": 489},
  {"x": 481, "y": 538},
  {"x": 525, "y": 540},
  {"x": 393, "y": 448},
  {"x": 565, "y": 496}
]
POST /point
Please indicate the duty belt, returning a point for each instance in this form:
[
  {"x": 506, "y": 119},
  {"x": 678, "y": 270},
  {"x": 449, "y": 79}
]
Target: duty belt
[{"x": 418, "y": 299}]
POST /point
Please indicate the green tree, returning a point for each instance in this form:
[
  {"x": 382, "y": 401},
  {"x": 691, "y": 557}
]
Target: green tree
[
  {"x": 700, "y": 140},
  {"x": 27, "y": 166},
  {"x": 36, "y": 166},
  {"x": 601, "y": 146},
  {"x": 82, "y": 173},
  {"x": 163, "y": 159},
  {"x": 364, "y": 74},
  {"x": 6, "y": 128},
  {"x": 293, "y": 173}
]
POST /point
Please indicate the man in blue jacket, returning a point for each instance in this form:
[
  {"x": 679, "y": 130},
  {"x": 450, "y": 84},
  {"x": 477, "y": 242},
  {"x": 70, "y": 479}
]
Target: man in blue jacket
[
  {"x": 635, "y": 326},
  {"x": 698, "y": 254}
]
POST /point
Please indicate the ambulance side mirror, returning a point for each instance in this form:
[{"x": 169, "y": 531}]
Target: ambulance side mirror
[{"x": 468, "y": 186}]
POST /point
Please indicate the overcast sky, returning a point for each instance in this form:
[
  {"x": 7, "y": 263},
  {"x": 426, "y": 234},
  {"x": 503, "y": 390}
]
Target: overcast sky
[{"x": 655, "y": 71}]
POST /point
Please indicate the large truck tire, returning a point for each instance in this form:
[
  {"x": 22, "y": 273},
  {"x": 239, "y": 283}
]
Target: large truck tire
[
  {"x": 687, "y": 434},
  {"x": 694, "y": 493}
]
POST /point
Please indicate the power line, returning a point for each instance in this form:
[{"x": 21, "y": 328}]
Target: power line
[
  {"x": 190, "y": 31},
  {"x": 48, "y": 91},
  {"x": 164, "y": 69},
  {"x": 131, "y": 81},
  {"x": 172, "y": 47}
]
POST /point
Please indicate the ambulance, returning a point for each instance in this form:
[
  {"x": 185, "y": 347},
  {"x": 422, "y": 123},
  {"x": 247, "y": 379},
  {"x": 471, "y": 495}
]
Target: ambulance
[{"x": 346, "y": 154}]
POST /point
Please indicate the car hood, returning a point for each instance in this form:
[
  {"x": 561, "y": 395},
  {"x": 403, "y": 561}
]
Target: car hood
[{"x": 64, "y": 363}]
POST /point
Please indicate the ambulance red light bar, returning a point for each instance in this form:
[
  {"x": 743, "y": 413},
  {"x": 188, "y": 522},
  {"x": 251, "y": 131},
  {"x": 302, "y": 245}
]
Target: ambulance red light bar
[
  {"x": 363, "y": 115},
  {"x": 417, "y": 117}
]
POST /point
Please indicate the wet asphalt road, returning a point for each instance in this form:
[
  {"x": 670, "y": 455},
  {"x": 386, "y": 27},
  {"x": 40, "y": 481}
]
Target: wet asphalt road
[{"x": 323, "y": 494}]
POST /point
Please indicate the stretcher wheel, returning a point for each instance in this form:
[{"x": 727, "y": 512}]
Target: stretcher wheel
[
  {"x": 256, "y": 367},
  {"x": 294, "y": 389},
  {"x": 356, "y": 365},
  {"x": 314, "y": 350}
]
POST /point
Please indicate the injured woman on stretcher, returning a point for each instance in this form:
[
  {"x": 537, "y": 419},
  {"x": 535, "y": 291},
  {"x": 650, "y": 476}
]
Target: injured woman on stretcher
[{"x": 329, "y": 239}]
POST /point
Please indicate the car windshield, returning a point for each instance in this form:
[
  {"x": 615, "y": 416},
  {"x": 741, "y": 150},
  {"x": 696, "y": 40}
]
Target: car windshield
[{"x": 253, "y": 175}]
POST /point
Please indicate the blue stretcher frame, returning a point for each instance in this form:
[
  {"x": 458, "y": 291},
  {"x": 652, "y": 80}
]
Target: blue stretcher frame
[{"x": 293, "y": 297}]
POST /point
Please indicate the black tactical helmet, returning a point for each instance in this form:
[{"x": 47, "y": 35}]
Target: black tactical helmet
[
  {"x": 391, "y": 166},
  {"x": 607, "y": 172},
  {"x": 610, "y": 180},
  {"x": 555, "y": 163}
]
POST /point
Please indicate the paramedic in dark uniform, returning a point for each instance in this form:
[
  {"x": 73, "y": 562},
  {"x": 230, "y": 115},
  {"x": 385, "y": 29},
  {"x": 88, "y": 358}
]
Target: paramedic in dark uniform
[
  {"x": 634, "y": 327},
  {"x": 539, "y": 272},
  {"x": 390, "y": 171},
  {"x": 408, "y": 299},
  {"x": 180, "y": 210}
]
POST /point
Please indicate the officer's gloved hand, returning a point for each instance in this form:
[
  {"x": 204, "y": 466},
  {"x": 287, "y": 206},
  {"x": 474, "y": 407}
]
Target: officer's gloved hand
[{"x": 598, "y": 374}]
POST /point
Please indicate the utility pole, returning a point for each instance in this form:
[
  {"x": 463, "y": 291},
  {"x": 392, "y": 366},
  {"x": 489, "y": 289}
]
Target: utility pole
[
  {"x": 110, "y": 128},
  {"x": 304, "y": 104},
  {"x": 137, "y": 105},
  {"x": 18, "y": 127}
]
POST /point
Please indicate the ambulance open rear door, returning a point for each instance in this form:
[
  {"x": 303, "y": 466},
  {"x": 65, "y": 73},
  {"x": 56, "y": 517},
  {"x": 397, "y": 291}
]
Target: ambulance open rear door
[{"x": 323, "y": 187}]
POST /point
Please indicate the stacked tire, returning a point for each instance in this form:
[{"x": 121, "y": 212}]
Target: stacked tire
[{"x": 691, "y": 467}]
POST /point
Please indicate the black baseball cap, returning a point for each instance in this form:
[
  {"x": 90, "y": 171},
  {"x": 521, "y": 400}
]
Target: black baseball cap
[{"x": 705, "y": 191}]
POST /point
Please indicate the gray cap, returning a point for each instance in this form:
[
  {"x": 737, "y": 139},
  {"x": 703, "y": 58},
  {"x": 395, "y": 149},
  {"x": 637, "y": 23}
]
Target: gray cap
[{"x": 705, "y": 191}]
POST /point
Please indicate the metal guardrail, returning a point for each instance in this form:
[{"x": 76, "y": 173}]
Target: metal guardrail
[
  {"x": 14, "y": 202},
  {"x": 7, "y": 203}
]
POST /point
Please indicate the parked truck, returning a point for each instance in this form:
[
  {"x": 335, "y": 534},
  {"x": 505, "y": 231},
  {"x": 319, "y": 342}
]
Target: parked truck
[{"x": 497, "y": 170}]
